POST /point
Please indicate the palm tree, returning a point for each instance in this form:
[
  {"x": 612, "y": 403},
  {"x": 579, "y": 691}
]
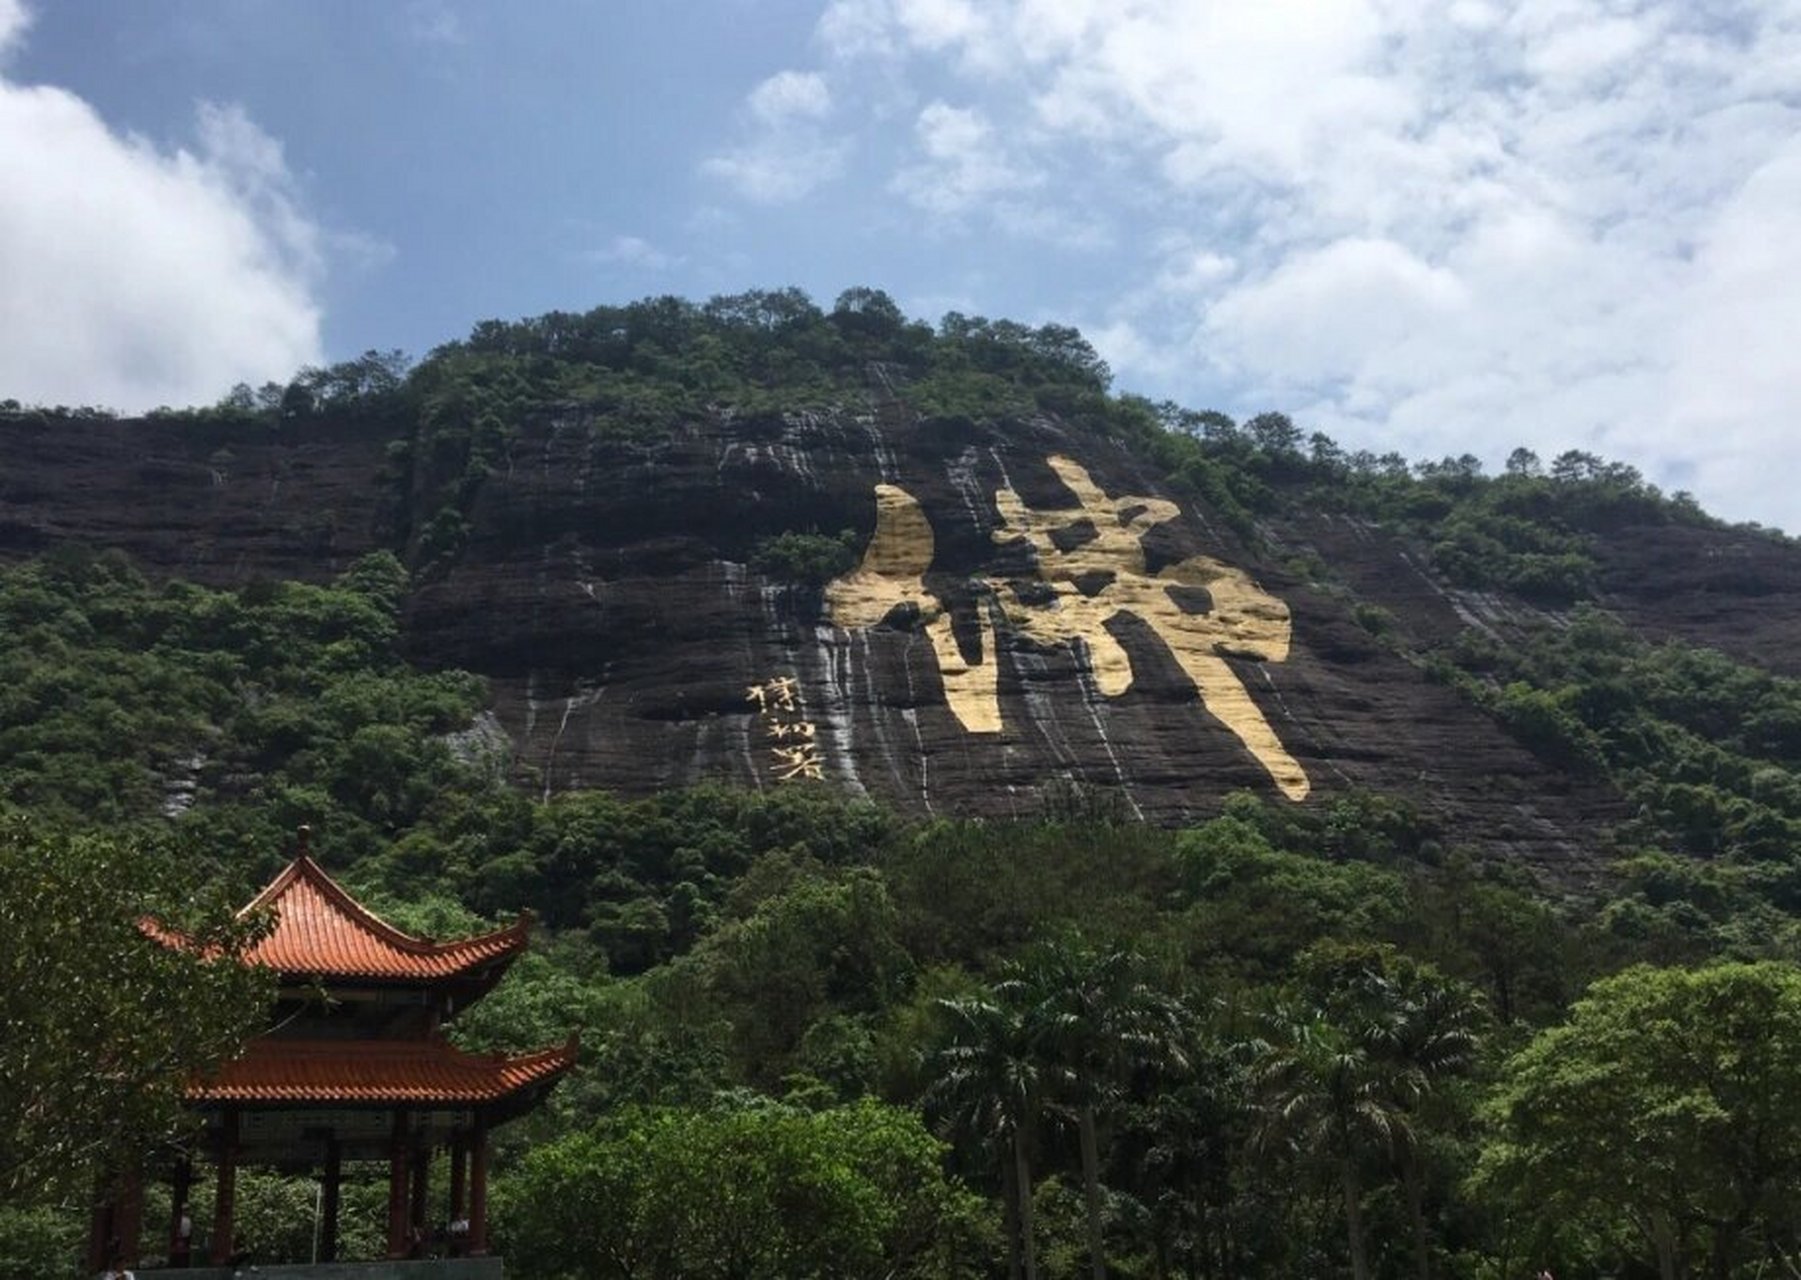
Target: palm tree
[
  {"x": 1428, "y": 1031},
  {"x": 988, "y": 1082},
  {"x": 1331, "y": 1101},
  {"x": 1098, "y": 1021},
  {"x": 1383, "y": 1032},
  {"x": 1189, "y": 1133}
]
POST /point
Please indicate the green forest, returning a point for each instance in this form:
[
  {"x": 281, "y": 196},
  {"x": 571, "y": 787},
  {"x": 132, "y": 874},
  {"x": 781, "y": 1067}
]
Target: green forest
[{"x": 821, "y": 1039}]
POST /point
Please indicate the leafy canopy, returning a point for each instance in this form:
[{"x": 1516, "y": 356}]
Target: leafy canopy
[{"x": 105, "y": 1025}]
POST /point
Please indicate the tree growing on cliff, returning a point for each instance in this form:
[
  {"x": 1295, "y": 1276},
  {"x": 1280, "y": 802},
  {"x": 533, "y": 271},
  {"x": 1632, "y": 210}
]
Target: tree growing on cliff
[{"x": 810, "y": 558}]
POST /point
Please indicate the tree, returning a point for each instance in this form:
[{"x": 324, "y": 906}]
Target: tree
[
  {"x": 1098, "y": 1021},
  {"x": 1523, "y": 462},
  {"x": 1344, "y": 1076},
  {"x": 1515, "y": 946},
  {"x": 1330, "y": 1101},
  {"x": 810, "y": 558},
  {"x": 822, "y": 946},
  {"x": 988, "y": 1081},
  {"x": 867, "y": 311},
  {"x": 1193, "y": 1136},
  {"x": 1666, "y": 1113},
  {"x": 1574, "y": 465},
  {"x": 104, "y": 1025},
  {"x": 1419, "y": 1028},
  {"x": 1327, "y": 456},
  {"x": 758, "y": 1192},
  {"x": 1066, "y": 349}
]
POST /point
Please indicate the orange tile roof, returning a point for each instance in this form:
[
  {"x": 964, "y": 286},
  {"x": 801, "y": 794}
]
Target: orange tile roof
[
  {"x": 320, "y": 930},
  {"x": 376, "y": 1072}
]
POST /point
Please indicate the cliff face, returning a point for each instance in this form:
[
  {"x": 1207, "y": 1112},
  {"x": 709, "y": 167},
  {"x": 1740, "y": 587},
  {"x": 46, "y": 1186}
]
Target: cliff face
[
  {"x": 1021, "y": 605},
  {"x": 1027, "y": 605},
  {"x": 218, "y": 505}
]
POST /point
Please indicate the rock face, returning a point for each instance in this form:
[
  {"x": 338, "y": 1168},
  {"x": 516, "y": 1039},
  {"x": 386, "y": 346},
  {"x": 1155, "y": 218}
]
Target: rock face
[
  {"x": 211, "y": 504},
  {"x": 1026, "y": 605}
]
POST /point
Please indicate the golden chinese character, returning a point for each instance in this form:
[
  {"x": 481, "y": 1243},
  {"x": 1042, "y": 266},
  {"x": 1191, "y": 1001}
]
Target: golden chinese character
[
  {"x": 781, "y": 693},
  {"x": 777, "y": 694},
  {"x": 1095, "y": 570},
  {"x": 1104, "y": 575},
  {"x": 893, "y": 574},
  {"x": 797, "y": 762},
  {"x": 804, "y": 730}
]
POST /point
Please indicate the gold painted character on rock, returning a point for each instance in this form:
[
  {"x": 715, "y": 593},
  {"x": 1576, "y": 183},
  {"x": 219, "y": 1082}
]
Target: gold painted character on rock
[
  {"x": 773, "y": 695},
  {"x": 1092, "y": 559},
  {"x": 798, "y": 762},
  {"x": 893, "y": 574},
  {"x": 796, "y": 748}
]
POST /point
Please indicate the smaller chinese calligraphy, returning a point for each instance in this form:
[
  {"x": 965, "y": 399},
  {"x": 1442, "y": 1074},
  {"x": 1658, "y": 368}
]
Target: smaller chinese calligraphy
[{"x": 794, "y": 742}]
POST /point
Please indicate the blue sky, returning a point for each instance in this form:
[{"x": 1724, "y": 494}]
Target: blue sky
[{"x": 1434, "y": 227}]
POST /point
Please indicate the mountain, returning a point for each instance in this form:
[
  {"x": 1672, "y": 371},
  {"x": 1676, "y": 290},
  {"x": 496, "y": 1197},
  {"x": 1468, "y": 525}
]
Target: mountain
[{"x": 945, "y": 569}]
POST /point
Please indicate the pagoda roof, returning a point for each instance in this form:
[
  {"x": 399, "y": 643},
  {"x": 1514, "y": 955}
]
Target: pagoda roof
[
  {"x": 321, "y": 931},
  {"x": 413, "y": 1073}
]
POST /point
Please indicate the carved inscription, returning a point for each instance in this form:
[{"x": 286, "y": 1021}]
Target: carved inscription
[
  {"x": 892, "y": 575},
  {"x": 794, "y": 742},
  {"x": 1090, "y": 567}
]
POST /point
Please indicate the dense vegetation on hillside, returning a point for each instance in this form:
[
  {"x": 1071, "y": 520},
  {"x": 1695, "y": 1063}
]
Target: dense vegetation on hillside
[{"x": 820, "y": 1040}]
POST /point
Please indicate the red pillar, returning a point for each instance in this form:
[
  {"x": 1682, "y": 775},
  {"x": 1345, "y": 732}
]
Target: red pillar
[
  {"x": 328, "y": 1200},
  {"x": 478, "y": 1188},
  {"x": 419, "y": 1228},
  {"x": 458, "y": 1230},
  {"x": 399, "y": 1147},
  {"x": 459, "y": 1156},
  {"x": 226, "y": 1197}
]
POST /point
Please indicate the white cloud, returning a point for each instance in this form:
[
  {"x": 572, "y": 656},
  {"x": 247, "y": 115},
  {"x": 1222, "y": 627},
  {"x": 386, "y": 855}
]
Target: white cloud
[
  {"x": 1334, "y": 311},
  {"x": 942, "y": 24},
  {"x": 13, "y": 20},
  {"x": 962, "y": 164},
  {"x": 884, "y": 28},
  {"x": 1735, "y": 382},
  {"x": 137, "y": 276},
  {"x": 1588, "y": 49},
  {"x": 778, "y": 169},
  {"x": 433, "y": 22},
  {"x": 1122, "y": 345},
  {"x": 632, "y": 251},
  {"x": 856, "y": 29},
  {"x": 1189, "y": 269},
  {"x": 1562, "y": 223},
  {"x": 788, "y": 153},
  {"x": 790, "y": 95}
]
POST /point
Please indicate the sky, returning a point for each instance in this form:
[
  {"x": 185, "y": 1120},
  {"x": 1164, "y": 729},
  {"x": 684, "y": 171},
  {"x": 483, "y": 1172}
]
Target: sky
[{"x": 1437, "y": 228}]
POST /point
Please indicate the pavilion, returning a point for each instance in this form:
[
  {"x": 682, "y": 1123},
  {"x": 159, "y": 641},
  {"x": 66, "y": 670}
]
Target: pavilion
[{"x": 354, "y": 1066}]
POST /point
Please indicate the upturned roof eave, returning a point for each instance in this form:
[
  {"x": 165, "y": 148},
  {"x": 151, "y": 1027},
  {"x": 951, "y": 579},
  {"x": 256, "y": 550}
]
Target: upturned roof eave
[
  {"x": 365, "y": 1078},
  {"x": 481, "y": 958}
]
